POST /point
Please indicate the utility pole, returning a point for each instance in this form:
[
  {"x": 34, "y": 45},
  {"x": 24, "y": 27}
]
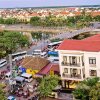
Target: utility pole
[{"x": 10, "y": 61}]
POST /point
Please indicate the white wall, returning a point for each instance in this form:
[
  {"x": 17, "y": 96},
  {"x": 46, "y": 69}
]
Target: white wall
[
  {"x": 86, "y": 62},
  {"x": 86, "y": 56}
]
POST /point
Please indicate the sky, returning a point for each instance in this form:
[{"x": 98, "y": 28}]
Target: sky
[{"x": 42, "y": 3}]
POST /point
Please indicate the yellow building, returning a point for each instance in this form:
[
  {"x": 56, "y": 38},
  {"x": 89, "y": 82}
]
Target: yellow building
[{"x": 34, "y": 64}]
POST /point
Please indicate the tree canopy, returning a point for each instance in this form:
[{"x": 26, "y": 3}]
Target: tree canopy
[
  {"x": 47, "y": 84},
  {"x": 11, "y": 41},
  {"x": 95, "y": 92},
  {"x": 84, "y": 90},
  {"x": 35, "y": 21},
  {"x": 79, "y": 21},
  {"x": 9, "y": 21},
  {"x": 2, "y": 93}
]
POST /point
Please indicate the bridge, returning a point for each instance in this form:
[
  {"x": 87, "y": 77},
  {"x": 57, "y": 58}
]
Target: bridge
[
  {"x": 62, "y": 32},
  {"x": 76, "y": 32}
]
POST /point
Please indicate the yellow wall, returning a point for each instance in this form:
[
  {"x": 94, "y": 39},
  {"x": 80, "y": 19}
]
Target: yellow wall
[
  {"x": 51, "y": 72},
  {"x": 30, "y": 71},
  {"x": 33, "y": 72}
]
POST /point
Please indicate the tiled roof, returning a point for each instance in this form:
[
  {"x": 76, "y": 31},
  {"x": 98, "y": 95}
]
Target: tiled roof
[
  {"x": 64, "y": 13},
  {"x": 93, "y": 38},
  {"x": 55, "y": 67},
  {"x": 77, "y": 13},
  {"x": 46, "y": 69},
  {"x": 92, "y": 46},
  {"x": 35, "y": 63},
  {"x": 95, "y": 13}
]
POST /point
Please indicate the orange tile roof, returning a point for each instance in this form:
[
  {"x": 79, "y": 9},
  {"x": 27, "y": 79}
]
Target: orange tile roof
[
  {"x": 95, "y": 13},
  {"x": 77, "y": 13},
  {"x": 35, "y": 63},
  {"x": 91, "y": 46},
  {"x": 64, "y": 13},
  {"x": 34, "y": 14}
]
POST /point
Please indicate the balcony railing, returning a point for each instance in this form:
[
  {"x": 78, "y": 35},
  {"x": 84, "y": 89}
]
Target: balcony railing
[
  {"x": 70, "y": 64},
  {"x": 76, "y": 76}
]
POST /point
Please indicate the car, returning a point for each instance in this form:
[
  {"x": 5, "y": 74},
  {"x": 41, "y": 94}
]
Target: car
[{"x": 11, "y": 98}]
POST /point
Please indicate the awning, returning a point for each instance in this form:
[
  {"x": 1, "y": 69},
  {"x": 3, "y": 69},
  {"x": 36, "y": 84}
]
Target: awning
[{"x": 55, "y": 53}]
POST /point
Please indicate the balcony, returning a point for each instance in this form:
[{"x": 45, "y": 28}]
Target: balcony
[
  {"x": 73, "y": 75},
  {"x": 70, "y": 64}
]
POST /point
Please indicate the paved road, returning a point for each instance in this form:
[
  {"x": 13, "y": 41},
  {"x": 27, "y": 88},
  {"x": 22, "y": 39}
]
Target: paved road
[{"x": 40, "y": 45}]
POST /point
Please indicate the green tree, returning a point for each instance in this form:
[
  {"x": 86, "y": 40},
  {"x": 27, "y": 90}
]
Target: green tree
[
  {"x": 11, "y": 41},
  {"x": 36, "y": 21},
  {"x": 2, "y": 93},
  {"x": 95, "y": 92},
  {"x": 82, "y": 92},
  {"x": 1, "y": 20},
  {"x": 47, "y": 84},
  {"x": 8, "y": 21},
  {"x": 96, "y": 18},
  {"x": 83, "y": 89},
  {"x": 36, "y": 35},
  {"x": 11, "y": 21},
  {"x": 91, "y": 81},
  {"x": 23, "y": 41}
]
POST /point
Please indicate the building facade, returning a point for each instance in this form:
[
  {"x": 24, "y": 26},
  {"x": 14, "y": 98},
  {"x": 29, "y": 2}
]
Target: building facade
[
  {"x": 79, "y": 59},
  {"x": 78, "y": 65}
]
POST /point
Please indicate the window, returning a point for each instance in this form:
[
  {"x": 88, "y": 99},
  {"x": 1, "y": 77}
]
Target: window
[
  {"x": 73, "y": 60},
  {"x": 93, "y": 73},
  {"x": 92, "y": 60},
  {"x": 65, "y": 58},
  {"x": 65, "y": 70},
  {"x": 64, "y": 62}
]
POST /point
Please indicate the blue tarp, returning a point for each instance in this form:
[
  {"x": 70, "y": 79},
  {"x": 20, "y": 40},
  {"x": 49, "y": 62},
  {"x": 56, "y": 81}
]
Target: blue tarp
[
  {"x": 53, "y": 53},
  {"x": 23, "y": 70}
]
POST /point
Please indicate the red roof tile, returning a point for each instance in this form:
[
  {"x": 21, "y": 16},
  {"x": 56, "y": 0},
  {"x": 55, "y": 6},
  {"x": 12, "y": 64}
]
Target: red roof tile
[
  {"x": 46, "y": 69},
  {"x": 64, "y": 13},
  {"x": 55, "y": 67},
  {"x": 93, "y": 46},
  {"x": 93, "y": 38},
  {"x": 77, "y": 13},
  {"x": 95, "y": 13}
]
